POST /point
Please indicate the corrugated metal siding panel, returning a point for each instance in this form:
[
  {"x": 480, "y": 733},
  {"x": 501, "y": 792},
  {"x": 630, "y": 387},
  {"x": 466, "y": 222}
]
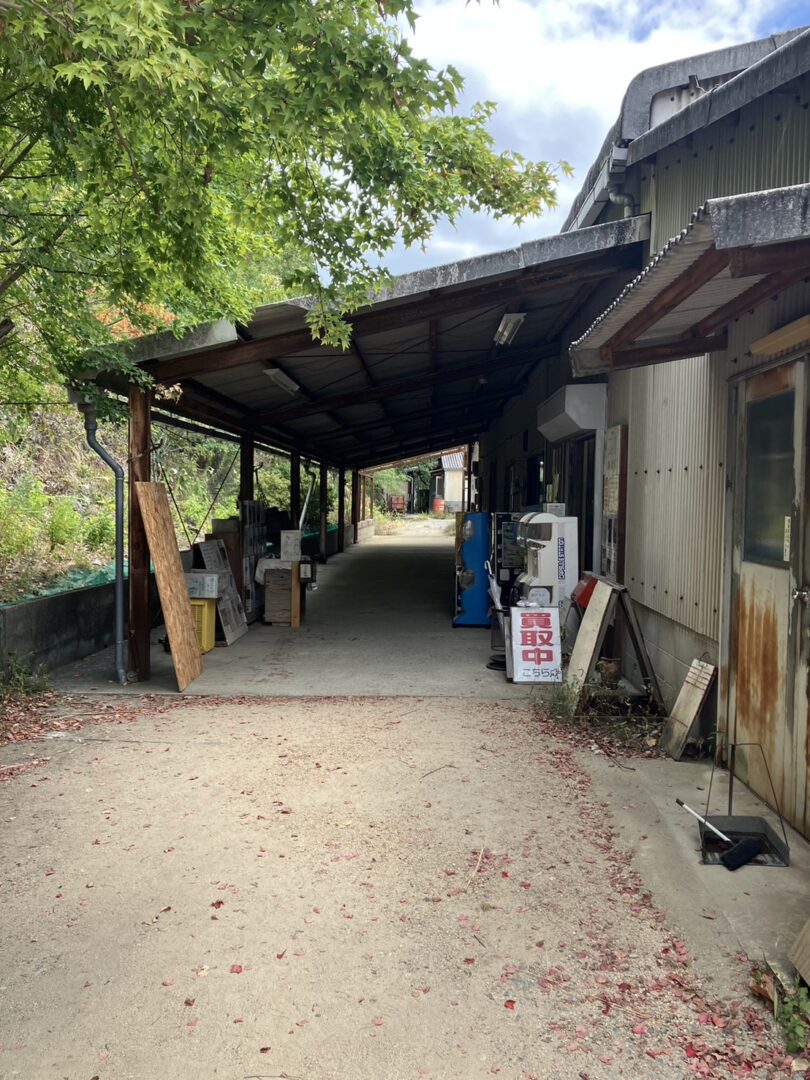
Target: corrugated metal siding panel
[
  {"x": 675, "y": 489},
  {"x": 768, "y": 148},
  {"x": 792, "y": 304}
]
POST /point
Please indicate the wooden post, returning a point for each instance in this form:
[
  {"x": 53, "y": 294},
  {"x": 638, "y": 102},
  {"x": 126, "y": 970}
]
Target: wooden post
[
  {"x": 139, "y": 469},
  {"x": 341, "y": 506},
  {"x": 355, "y": 501},
  {"x": 371, "y": 497},
  {"x": 246, "y": 466},
  {"x": 295, "y": 487},
  {"x": 324, "y": 477},
  {"x": 468, "y": 468}
]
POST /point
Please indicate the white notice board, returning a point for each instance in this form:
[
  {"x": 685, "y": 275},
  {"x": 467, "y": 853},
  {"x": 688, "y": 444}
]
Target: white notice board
[{"x": 536, "y": 647}]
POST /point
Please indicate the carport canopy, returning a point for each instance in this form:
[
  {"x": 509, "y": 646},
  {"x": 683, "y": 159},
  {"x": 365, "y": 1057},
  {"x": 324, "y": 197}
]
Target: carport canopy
[{"x": 422, "y": 372}]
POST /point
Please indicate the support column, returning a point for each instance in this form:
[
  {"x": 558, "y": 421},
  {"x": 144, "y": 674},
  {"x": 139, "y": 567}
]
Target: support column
[
  {"x": 341, "y": 506},
  {"x": 246, "y": 467},
  {"x": 139, "y": 469},
  {"x": 324, "y": 477},
  {"x": 355, "y": 501},
  {"x": 468, "y": 469},
  {"x": 371, "y": 497},
  {"x": 295, "y": 487}
]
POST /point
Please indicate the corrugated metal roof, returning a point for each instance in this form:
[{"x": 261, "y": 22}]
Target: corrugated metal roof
[
  {"x": 734, "y": 221},
  {"x": 452, "y": 461},
  {"x": 421, "y": 373}
]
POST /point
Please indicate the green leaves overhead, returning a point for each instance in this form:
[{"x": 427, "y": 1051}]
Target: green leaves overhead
[{"x": 154, "y": 153}]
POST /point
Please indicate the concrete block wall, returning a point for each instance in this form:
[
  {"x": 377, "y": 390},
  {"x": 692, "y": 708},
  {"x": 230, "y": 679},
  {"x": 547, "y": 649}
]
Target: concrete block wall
[
  {"x": 54, "y": 630},
  {"x": 365, "y": 530}
]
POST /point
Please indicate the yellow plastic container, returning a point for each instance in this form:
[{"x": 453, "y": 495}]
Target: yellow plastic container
[{"x": 205, "y": 621}]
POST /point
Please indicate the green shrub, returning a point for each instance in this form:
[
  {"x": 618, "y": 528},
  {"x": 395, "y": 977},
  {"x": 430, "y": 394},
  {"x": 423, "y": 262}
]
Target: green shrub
[{"x": 64, "y": 523}]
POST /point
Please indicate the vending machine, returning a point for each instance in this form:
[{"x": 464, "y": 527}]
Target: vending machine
[
  {"x": 551, "y": 553},
  {"x": 472, "y": 583}
]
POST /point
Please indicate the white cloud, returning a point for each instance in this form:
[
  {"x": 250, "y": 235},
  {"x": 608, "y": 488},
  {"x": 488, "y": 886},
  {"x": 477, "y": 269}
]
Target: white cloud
[{"x": 559, "y": 70}]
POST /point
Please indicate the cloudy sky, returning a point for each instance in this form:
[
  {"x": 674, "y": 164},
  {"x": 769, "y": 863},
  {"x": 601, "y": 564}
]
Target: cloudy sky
[{"x": 558, "y": 70}]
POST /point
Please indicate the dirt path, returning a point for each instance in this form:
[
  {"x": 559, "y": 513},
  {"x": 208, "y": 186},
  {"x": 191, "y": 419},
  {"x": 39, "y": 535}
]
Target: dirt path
[{"x": 354, "y": 889}]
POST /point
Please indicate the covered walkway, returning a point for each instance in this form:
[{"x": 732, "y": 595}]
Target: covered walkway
[{"x": 378, "y": 624}]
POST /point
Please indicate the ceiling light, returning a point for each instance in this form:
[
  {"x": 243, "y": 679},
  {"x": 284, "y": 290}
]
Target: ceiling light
[
  {"x": 284, "y": 382},
  {"x": 508, "y": 327}
]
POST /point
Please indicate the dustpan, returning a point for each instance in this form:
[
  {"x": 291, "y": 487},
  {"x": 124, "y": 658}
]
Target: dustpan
[{"x": 775, "y": 850}]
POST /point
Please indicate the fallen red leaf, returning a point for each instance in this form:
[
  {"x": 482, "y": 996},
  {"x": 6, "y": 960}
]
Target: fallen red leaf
[
  {"x": 168, "y": 982},
  {"x": 525, "y": 885},
  {"x": 639, "y": 1029},
  {"x": 377, "y": 1021},
  {"x": 189, "y": 1002},
  {"x": 236, "y": 969},
  {"x": 281, "y": 955},
  {"x": 469, "y": 960},
  {"x": 218, "y": 904},
  {"x": 509, "y": 1004},
  {"x": 265, "y": 1049}
]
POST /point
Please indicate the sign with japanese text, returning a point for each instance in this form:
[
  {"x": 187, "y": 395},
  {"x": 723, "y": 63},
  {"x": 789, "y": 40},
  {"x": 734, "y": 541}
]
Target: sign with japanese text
[{"x": 536, "y": 647}]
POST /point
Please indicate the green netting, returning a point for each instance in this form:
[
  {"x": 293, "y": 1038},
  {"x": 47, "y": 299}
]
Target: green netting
[{"x": 77, "y": 578}]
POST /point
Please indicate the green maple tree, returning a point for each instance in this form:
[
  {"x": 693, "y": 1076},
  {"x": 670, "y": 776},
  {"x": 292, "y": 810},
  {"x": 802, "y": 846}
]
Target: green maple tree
[{"x": 167, "y": 162}]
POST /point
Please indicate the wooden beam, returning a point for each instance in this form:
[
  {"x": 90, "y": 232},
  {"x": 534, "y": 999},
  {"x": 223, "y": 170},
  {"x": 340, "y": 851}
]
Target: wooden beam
[
  {"x": 295, "y": 488},
  {"x": 355, "y": 501},
  {"x": 324, "y": 507},
  {"x": 764, "y": 290},
  {"x": 644, "y": 355},
  {"x": 455, "y": 373},
  {"x": 479, "y": 404},
  {"x": 139, "y": 455},
  {"x": 706, "y": 267},
  {"x": 379, "y": 319},
  {"x": 387, "y": 452},
  {"x": 246, "y": 467},
  {"x": 770, "y": 259},
  {"x": 341, "y": 506}
]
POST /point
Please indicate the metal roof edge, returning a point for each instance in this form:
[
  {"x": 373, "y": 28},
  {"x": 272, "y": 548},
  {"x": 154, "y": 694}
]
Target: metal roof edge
[
  {"x": 545, "y": 249},
  {"x": 633, "y": 121},
  {"x": 759, "y": 217},
  {"x": 788, "y": 62}
]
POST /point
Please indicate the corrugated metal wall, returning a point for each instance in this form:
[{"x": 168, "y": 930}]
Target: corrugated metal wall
[
  {"x": 765, "y": 145},
  {"x": 676, "y": 436}
]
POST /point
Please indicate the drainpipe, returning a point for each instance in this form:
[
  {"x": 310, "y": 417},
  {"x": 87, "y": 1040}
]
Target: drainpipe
[
  {"x": 621, "y": 198},
  {"x": 90, "y": 427}
]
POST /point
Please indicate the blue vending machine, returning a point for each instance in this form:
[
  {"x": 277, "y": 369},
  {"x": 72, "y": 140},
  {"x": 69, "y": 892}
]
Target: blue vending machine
[{"x": 472, "y": 587}]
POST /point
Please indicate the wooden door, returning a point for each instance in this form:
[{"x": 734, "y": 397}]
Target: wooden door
[{"x": 769, "y": 589}]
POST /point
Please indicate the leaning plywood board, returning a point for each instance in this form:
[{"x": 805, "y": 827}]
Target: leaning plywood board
[
  {"x": 687, "y": 708},
  {"x": 171, "y": 582},
  {"x": 800, "y": 953},
  {"x": 590, "y": 636}
]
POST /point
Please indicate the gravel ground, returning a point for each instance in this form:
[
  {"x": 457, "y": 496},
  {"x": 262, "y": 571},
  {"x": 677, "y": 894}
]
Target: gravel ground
[{"x": 322, "y": 888}]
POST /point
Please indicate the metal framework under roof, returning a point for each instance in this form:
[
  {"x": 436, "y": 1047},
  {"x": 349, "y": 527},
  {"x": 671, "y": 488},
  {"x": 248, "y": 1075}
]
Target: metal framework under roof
[{"x": 422, "y": 372}]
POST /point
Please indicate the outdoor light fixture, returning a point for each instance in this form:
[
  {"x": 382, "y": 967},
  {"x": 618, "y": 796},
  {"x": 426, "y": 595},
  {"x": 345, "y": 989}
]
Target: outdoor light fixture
[
  {"x": 284, "y": 382},
  {"x": 508, "y": 327}
]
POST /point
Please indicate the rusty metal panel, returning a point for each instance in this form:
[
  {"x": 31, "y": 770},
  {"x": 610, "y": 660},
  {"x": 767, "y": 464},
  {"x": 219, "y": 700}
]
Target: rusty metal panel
[{"x": 676, "y": 419}]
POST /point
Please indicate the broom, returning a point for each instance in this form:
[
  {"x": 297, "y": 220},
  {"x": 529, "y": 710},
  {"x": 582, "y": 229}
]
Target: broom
[{"x": 738, "y": 854}]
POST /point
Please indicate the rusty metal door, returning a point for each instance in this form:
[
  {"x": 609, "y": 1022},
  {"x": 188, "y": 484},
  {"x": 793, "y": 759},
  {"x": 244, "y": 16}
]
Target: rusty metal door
[{"x": 770, "y": 596}]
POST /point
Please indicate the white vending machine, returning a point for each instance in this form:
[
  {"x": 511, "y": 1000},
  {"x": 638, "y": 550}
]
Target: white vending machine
[{"x": 551, "y": 547}]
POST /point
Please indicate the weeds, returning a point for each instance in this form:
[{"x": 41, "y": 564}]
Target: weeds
[
  {"x": 18, "y": 681},
  {"x": 790, "y": 1004},
  {"x": 606, "y": 716}
]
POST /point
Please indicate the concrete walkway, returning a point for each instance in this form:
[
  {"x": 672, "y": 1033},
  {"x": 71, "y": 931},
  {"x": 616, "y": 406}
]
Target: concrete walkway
[
  {"x": 378, "y": 624},
  {"x": 321, "y": 889}
]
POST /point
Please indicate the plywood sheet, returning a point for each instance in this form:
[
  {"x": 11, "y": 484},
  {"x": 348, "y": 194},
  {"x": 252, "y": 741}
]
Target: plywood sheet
[
  {"x": 800, "y": 953},
  {"x": 591, "y": 635},
  {"x": 171, "y": 582},
  {"x": 687, "y": 708}
]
